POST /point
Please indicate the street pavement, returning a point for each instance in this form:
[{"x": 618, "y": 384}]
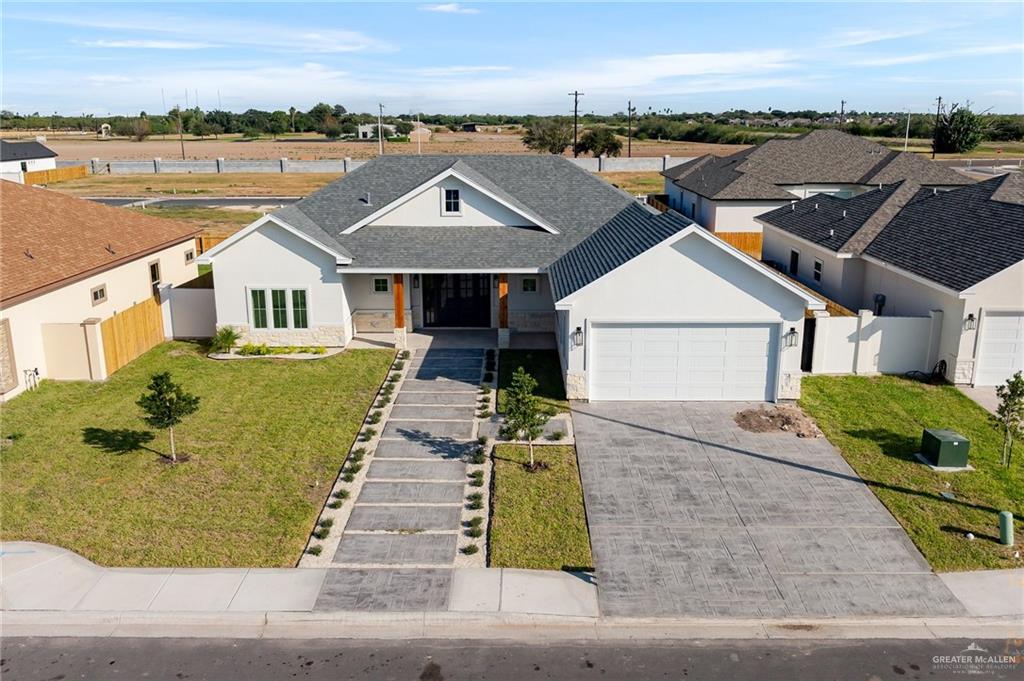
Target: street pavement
[{"x": 337, "y": 660}]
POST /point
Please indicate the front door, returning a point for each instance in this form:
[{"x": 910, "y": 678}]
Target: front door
[{"x": 457, "y": 300}]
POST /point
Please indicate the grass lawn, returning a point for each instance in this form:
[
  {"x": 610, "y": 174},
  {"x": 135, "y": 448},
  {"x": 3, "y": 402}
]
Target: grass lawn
[
  {"x": 544, "y": 366},
  {"x": 876, "y": 422},
  {"x": 636, "y": 182},
  {"x": 207, "y": 184},
  {"x": 213, "y": 221},
  {"x": 86, "y": 473},
  {"x": 537, "y": 519}
]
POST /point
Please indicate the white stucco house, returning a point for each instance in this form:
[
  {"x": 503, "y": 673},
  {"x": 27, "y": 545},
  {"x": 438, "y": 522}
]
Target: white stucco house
[
  {"x": 18, "y": 158},
  {"x": 908, "y": 250},
  {"x": 725, "y": 194},
  {"x": 68, "y": 266},
  {"x": 642, "y": 305}
]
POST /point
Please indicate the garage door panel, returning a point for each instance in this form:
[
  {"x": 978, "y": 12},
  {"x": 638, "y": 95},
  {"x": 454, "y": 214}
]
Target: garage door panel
[
  {"x": 1001, "y": 348},
  {"x": 682, "y": 361}
]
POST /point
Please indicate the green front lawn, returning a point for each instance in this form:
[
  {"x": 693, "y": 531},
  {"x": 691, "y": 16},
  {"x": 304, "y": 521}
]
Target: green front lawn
[
  {"x": 86, "y": 473},
  {"x": 876, "y": 423},
  {"x": 537, "y": 519},
  {"x": 544, "y": 366}
]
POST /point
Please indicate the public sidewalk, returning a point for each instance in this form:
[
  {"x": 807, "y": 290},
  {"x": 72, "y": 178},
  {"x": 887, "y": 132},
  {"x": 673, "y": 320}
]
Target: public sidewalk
[{"x": 48, "y": 591}]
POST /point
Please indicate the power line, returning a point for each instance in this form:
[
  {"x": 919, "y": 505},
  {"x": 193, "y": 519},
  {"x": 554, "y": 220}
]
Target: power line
[
  {"x": 575, "y": 94},
  {"x": 380, "y": 129}
]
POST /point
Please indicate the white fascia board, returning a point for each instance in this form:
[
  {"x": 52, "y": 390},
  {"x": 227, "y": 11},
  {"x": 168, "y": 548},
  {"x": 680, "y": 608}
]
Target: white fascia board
[
  {"x": 910, "y": 275},
  {"x": 800, "y": 239},
  {"x": 438, "y": 270},
  {"x": 208, "y": 257},
  {"x": 450, "y": 172},
  {"x": 811, "y": 302}
]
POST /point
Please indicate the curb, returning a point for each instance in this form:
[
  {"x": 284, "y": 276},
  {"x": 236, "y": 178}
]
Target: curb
[{"x": 501, "y": 626}]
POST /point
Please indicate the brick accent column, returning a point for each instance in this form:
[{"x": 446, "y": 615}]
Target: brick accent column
[
  {"x": 504, "y": 335},
  {"x": 398, "y": 288}
]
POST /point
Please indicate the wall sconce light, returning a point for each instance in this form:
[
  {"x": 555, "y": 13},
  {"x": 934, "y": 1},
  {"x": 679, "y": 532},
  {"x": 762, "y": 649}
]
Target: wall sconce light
[
  {"x": 577, "y": 336},
  {"x": 791, "y": 337},
  {"x": 970, "y": 323},
  {"x": 415, "y": 281}
]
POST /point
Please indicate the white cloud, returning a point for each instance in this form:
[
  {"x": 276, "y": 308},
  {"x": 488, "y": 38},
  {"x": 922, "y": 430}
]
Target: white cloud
[
  {"x": 445, "y": 71},
  {"x": 108, "y": 79},
  {"x": 921, "y": 57},
  {"x": 1003, "y": 93},
  {"x": 867, "y": 36},
  {"x": 449, "y": 8},
  {"x": 145, "y": 44}
]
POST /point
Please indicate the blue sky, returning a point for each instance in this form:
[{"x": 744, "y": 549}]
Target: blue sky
[{"x": 511, "y": 58}]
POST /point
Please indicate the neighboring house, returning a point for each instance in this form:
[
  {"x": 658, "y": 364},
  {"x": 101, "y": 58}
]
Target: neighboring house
[
  {"x": 904, "y": 249},
  {"x": 643, "y": 305},
  {"x": 725, "y": 194},
  {"x": 471, "y": 127},
  {"x": 17, "y": 158},
  {"x": 68, "y": 266},
  {"x": 368, "y": 131}
]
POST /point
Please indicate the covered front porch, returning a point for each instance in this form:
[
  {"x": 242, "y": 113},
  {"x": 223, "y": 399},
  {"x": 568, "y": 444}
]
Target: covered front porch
[{"x": 484, "y": 309}]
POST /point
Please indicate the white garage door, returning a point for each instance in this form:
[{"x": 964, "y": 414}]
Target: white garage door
[
  {"x": 1001, "y": 350},
  {"x": 682, "y": 361}
]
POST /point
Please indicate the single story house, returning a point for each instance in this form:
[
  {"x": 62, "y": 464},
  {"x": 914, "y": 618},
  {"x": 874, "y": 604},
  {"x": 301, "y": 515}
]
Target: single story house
[
  {"x": 17, "y": 158},
  {"x": 69, "y": 267},
  {"x": 904, "y": 249},
  {"x": 724, "y": 194},
  {"x": 368, "y": 131},
  {"x": 643, "y": 305}
]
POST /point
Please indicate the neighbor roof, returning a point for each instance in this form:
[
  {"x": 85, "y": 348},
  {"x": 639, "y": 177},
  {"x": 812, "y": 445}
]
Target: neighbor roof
[
  {"x": 21, "y": 151},
  {"x": 50, "y": 239},
  {"x": 545, "y": 189},
  {"x": 818, "y": 157}
]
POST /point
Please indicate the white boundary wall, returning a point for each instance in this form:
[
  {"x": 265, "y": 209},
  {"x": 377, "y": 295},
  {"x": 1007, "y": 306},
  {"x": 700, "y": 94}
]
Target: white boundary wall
[
  {"x": 867, "y": 344},
  {"x": 188, "y": 312}
]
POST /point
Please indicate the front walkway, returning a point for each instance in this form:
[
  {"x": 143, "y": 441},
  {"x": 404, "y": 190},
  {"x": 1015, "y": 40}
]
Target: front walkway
[
  {"x": 985, "y": 396},
  {"x": 437, "y": 339},
  {"x": 691, "y": 516}
]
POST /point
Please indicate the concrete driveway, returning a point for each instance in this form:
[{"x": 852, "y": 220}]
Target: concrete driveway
[{"x": 691, "y": 516}]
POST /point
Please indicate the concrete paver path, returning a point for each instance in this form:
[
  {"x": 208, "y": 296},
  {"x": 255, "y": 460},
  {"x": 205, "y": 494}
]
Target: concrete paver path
[{"x": 691, "y": 516}]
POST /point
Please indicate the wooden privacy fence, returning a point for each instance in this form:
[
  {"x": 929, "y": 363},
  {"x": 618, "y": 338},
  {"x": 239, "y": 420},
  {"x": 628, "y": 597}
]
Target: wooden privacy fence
[
  {"x": 748, "y": 242},
  {"x": 205, "y": 243},
  {"x": 56, "y": 174},
  {"x": 130, "y": 333}
]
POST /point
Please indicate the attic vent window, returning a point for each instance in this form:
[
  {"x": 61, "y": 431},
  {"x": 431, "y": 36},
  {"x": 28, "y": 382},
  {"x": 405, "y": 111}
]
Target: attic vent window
[{"x": 451, "y": 202}]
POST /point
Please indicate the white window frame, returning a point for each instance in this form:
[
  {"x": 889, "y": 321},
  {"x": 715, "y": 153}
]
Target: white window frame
[
  {"x": 92, "y": 294},
  {"x": 444, "y": 201},
  {"x": 190, "y": 256},
  {"x": 536, "y": 286},
  {"x": 289, "y": 308},
  {"x": 373, "y": 285},
  {"x": 818, "y": 271}
]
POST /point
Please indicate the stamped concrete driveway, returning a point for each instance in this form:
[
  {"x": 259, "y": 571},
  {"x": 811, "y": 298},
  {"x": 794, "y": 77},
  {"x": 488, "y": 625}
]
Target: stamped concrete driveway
[{"x": 691, "y": 516}]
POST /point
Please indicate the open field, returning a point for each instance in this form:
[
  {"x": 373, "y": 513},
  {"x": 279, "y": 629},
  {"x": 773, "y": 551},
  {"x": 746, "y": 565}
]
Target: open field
[
  {"x": 83, "y": 471},
  {"x": 876, "y": 423},
  {"x": 308, "y": 146},
  {"x": 226, "y": 184},
  {"x": 983, "y": 150},
  {"x": 647, "y": 182},
  {"x": 537, "y": 519},
  {"x": 213, "y": 221}
]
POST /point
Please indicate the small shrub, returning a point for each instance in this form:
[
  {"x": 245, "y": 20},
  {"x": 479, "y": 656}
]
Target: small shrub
[
  {"x": 387, "y": 390},
  {"x": 470, "y": 550},
  {"x": 476, "y": 521},
  {"x": 557, "y": 435},
  {"x": 322, "y": 532},
  {"x": 315, "y": 550},
  {"x": 367, "y": 434},
  {"x": 405, "y": 354},
  {"x": 382, "y": 402},
  {"x": 355, "y": 467},
  {"x": 327, "y": 522},
  {"x": 474, "y": 532},
  {"x": 334, "y": 504},
  {"x": 488, "y": 377},
  {"x": 394, "y": 378},
  {"x": 251, "y": 349},
  {"x": 358, "y": 454},
  {"x": 398, "y": 366},
  {"x": 478, "y": 475},
  {"x": 341, "y": 494},
  {"x": 478, "y": 457},
  {"x": 374, "y": 417},
  {"x": 224, "y": 339},
  {"x": 348, "y": 476},
  {"x": 476, "y": 482},
  {"x": 485, "y": 389},
  {"x": 482, "y": 440},
  {"x": 484, "y": 413},
  {"x": 476, "y": 501}
]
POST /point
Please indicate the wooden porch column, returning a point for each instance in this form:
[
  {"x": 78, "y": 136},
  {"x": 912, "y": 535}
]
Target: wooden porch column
[
  {"x": 398, "y": 288},
  {"x": 503, "y": 331}
]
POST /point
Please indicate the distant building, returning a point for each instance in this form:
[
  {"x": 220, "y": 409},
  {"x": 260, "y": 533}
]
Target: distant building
[
  {"x": 470, "y": 127},
  {"x": 17, "y": 158},
  {"x": 368, "y": 131}
]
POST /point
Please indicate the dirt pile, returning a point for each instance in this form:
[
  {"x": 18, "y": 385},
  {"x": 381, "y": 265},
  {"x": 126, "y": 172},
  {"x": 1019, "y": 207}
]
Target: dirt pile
[{"x": 785, "y": 418}]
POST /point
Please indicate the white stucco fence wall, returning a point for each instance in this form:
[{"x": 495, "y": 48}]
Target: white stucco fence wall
[
  {"x": 188, "y": 312},
  {"x": 867, "y": 344}
]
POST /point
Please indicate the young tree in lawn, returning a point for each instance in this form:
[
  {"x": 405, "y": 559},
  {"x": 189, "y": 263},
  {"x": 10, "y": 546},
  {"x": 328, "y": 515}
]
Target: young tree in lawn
[
  {"x": 166, "y": 404},
  {"x": 1009, "y": 414},
  {"x": 524, "y": 419}
]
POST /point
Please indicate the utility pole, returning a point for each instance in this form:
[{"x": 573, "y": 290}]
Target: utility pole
[
  {"x": 906, "y": 136},
  {"x": 419, "y": 136},
  {"x": 380, "y": 129},
  {"x": 575, "y": 94},
  {"x": 181, "y": 132},
  {"x": 629, "y": 134},
  {"x": 842, "y": 114},
  {"x": 935, "y": 132}
]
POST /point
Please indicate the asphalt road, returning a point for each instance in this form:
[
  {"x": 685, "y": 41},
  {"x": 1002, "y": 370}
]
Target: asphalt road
[
  {"x": 55, "y": 659},
  {"x": 199, "y": 202}
]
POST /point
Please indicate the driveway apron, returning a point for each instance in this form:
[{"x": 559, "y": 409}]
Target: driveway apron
[{"x": 690, "y": 515}]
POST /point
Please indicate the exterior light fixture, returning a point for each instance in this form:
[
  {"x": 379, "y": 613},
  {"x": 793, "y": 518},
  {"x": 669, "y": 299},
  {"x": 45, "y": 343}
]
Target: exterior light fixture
[
  {"x": 791, "y": 337},
  {"x": 970, "y": 323},
  {"x": 577, "y": 336}
]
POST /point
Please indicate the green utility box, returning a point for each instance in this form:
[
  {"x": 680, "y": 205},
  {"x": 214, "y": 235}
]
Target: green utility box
[{"x": 945, "y": 448}]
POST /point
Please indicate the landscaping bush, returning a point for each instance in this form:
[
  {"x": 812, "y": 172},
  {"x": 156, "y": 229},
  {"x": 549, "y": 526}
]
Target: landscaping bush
[
  {"x": 322, "y": 532},
  {"x": 476, "y": 521},
  {"x": 394, "y": 378},
  {"x": 482, "y": 440},
  {"x": 478, "y": 457},
  {"x": 374, "y": 417},
  {"x": 355, "y": 467},
  {"x": 224, "y": 339},
  {"x": 557, "y": 435},
  {"x": 326, "y": 522},
  {"x": 315, "y": 550},
  {"x": 485, "y": 389},
  {"x": 334, "y": 504},
  {"x": 405, "y": 354},
  {"x": 484, "y": 413},
  {"x": 367, "y": 434},
  {"x": 398, "y": 365},
  {"x": 341, "y": 494},
  {"x": 474, "y": 532},
  {"x": 470, "y": 550},
  {"x": 382, "y": 402},
  {"x": 251, "y": 349},
  {"x": 348, "y": 476},
  {"x": 476, "y": 501},
  {"x": 358, "y": 454}
]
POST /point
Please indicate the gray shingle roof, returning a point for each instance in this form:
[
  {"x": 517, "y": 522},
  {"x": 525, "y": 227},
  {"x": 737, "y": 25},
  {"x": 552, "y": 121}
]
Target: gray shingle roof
[
  {"x": 632, "y": 232},
  {"x": 957, "y": 238},
  {"x": 820, "y": 156},
  {"x": 22, "y": 151},
  {"x": 548, "y": 188}
]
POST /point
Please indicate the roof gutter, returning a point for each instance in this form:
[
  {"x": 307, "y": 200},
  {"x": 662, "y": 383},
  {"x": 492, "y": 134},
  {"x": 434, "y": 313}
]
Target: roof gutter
[{"x": 345, "y": 269}]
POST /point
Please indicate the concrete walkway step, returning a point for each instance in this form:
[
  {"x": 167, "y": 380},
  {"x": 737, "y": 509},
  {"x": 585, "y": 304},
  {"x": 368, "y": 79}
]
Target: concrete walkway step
[
  {"x": 412, "y": 492},
  {"x": 396, "y": 549},
  {"x": 420, "y": 430},
  {"x": 417, "y": 470},
  {"x": 404, "y": 518},
  {"x": 448, "y": 399},
  {"x": 437, "y": 449},
  {"x": 441, "y": 412},
  {"x": 412, "y": 385}
]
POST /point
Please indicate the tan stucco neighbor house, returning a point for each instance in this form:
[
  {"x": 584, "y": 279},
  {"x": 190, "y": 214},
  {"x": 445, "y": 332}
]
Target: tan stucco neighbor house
[
  {"x": 67, "y": 267},
  {"x": 904, "y": 249},
  {"x": 643, "y": 305}
]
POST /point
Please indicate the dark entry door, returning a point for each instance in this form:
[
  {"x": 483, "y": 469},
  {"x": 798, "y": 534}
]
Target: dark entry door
[{"x": 457, "y": 300}]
